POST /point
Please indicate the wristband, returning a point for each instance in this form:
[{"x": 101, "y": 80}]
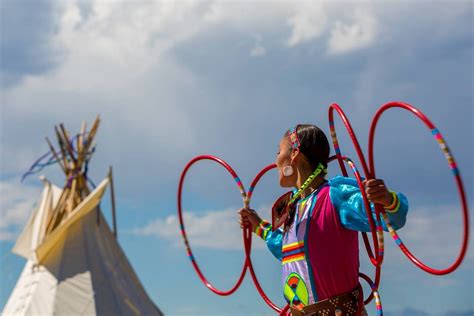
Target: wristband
[
  {"x": 262, "y": 229},
  {"x": 392, "y": 208}
]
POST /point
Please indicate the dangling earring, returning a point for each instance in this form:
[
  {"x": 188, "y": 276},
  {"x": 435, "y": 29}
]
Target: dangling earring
[{"x": 287, "y": 171}]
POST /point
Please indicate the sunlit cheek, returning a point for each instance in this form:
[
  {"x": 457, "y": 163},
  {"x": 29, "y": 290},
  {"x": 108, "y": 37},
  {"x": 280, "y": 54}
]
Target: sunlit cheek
[{"x": 278, "y": 161}]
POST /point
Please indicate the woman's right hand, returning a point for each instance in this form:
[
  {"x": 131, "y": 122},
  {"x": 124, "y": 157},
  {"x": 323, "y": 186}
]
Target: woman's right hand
[{"x": 249, "y": 217}]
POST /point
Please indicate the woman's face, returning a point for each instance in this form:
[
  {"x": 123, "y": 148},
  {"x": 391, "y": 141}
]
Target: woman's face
[{"x": 283, "y": 159}]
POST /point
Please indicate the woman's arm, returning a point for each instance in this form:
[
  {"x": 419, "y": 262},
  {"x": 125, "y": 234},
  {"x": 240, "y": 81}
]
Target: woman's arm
[
  {"x": 263, "y": 229},
  {"x": 348, "y": 202}
]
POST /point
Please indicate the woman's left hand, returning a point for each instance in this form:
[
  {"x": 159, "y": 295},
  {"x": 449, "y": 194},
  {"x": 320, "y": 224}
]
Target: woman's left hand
[{"x": 377, "y": 192}]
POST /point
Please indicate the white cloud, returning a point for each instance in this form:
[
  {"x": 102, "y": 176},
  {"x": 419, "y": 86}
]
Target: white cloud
[
  {"x": 212, "y": 229},
  {"x": 117, "y": 56},
  {"x": 354, "y": 27},
  {"x": 308, "y": 23},
  {"x": 112, "y": 60},
  {"x": 16, "y": 204},
  {"x": 356, "y": 34},
  {"x": 433, "y": 235}
]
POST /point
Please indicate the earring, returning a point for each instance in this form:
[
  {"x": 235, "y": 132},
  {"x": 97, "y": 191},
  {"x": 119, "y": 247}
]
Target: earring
[{"x": 287, "y": 171}]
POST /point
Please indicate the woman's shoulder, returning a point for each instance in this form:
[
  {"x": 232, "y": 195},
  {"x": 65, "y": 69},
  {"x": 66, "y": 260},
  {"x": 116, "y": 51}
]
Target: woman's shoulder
[
  {"x": 342, "y": 189},
  {"x": 339, "y": 181}
]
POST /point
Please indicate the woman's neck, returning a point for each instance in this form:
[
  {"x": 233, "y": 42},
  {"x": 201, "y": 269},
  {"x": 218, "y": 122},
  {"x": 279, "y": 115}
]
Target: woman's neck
[{"x": 302, "y": 176}]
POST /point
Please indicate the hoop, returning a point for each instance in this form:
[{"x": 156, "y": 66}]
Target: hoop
[
  {"x": 246, "y": 232},
  {"x": 249, "y": 260},
  {"x": 457, "y": 177},
  {"x": 374, "y": 288},
  {"x": 368, "y": 212},
  {"x": 377, "y": 234}
]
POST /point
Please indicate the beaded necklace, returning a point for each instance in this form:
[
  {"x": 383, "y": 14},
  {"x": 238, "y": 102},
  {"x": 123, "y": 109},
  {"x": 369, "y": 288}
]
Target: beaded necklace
[{"x": 308, "y": 181}]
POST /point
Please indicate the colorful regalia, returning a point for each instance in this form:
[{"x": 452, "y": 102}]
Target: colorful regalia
[{"x": 320, "y": 251}]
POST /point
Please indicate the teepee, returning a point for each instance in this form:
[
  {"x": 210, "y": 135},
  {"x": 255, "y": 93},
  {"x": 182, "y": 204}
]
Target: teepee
[{"x": 75, "y": 265}]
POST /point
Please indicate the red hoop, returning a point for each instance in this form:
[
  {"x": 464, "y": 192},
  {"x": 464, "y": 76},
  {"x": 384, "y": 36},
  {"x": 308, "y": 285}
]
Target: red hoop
[
  {"x": 246, "y": 232},
  {"x": 457, "y": 177},
  {"x": 379, "y": 251}
]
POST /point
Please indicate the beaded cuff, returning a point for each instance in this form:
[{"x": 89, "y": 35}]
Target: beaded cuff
[{"x": 263, "y": 228}]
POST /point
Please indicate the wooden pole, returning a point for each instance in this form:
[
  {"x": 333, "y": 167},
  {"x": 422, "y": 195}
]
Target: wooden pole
[
  {"x": 63, "y": 151},
  {"x": 72, "y": 162},
  {"x": 70, "y": 202},
  {"x": 112, "y": 196},
  {"x": 80, "y": 139},
  {"x": 56, "y": 215},
  {"x": 56, "y": 156},
  {"x": 92, "y": 132},
  {"x": 80, "y": 145},
  {"x": 68, "y": 145}
]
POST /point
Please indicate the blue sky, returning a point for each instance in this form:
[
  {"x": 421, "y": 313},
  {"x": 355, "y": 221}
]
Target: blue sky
[{"x": 172, "y": 80}]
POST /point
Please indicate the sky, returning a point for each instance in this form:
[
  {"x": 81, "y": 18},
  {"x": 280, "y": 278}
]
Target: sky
[{"x": 175, "y": 79}]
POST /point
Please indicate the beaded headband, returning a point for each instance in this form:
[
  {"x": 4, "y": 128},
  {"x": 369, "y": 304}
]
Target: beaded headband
[{"x": 293, "y": 137}]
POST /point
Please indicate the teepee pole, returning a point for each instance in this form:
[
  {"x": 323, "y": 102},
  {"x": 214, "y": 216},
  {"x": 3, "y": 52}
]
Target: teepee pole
[
  {"x": 112, "y": 196},
  {"x": 65, "y": 135},
  {"x": 55, "y": 155},
  {"x": 80, "y": 139},
  {"x": 61, "y": 146},
  {"x": 92, "y": 133},
  {"x": 72, "y": 161}
]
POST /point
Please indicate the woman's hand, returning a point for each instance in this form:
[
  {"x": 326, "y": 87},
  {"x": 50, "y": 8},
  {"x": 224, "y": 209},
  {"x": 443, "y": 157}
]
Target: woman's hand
[
  {"x": 249, "y": 217},
  {"x": 377, "y": 192}
]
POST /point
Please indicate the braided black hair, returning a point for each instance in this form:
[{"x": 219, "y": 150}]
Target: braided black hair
[{"x": 314, "y": 145}]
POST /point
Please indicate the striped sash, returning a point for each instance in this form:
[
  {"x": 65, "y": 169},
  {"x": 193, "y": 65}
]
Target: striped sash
[{"x": 293, "y": 252}]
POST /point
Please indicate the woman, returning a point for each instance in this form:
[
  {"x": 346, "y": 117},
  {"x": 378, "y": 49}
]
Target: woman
[{"x": 318, "y": 244}]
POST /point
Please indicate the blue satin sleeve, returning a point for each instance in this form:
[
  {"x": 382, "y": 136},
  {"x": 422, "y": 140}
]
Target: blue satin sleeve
[
  {"x": 347, "y": 200},
  {"x": 274, "y": 242}
]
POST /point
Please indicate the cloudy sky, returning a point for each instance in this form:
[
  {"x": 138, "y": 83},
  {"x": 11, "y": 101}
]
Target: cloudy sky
[{"x": 175, "y": 79}]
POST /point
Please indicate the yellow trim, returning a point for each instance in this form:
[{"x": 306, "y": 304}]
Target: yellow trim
[
  {"x": 298, "y": 258},
  {"x": 298, "y": 243}
]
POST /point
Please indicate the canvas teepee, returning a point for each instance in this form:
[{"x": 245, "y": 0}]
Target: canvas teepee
[{"x": 75, "y": 265}]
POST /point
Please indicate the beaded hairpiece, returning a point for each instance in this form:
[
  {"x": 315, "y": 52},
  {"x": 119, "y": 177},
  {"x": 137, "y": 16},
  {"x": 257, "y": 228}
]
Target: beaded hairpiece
[{"x": 293, "y": 136}]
